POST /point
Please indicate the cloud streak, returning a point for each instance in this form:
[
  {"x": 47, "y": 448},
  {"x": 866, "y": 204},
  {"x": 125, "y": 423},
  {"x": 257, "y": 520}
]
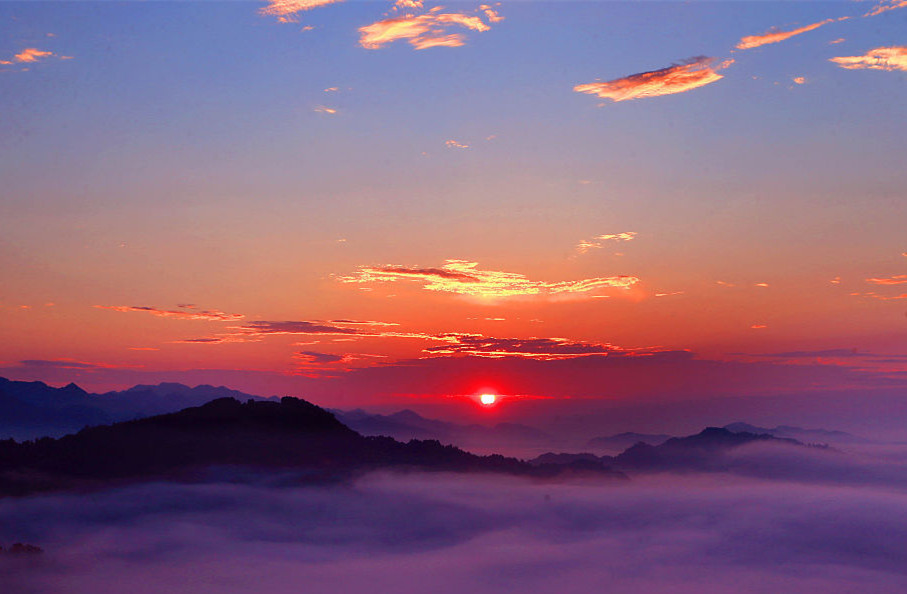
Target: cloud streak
[
  {"x": 423, "y": 31},
  {"x": 881, "y": 58},
  {"x": 775, "y": 36},
  {"x": 289, "y": 8},
  {"x": 210, "y": 315},
  {"x": 599, "y": 241},
  {"x": 462, "y": 277},
  {"x": 678, "y": 78},
  {"x": 535, "y": 348}
]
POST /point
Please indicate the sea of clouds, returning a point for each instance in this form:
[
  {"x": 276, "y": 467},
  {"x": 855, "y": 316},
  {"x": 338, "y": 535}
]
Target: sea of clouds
[{"x": 828, "y": 522}]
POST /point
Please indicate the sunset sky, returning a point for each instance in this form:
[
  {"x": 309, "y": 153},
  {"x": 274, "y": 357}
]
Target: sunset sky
[{"x": 371, "y": 204}]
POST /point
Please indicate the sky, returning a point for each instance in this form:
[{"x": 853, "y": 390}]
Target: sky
[{"x": 574, "y": 205}]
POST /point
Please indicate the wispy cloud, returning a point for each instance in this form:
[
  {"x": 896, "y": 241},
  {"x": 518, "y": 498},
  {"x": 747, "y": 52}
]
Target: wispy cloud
[
  {"x": 257, "y": 330},
  {"x": 536, "y": 348},
  {"x": 325, "y": 109},
  {"x": 900, "y": 279},
  {"x": 679, "y": 78},
  {"x": 213, "y": 315},
  {"x": 885, "y": 6},
  {"x": 30, "y": 55},
  {"x": 880, "y": 58},
  {"x": 455, "y": 144},
  {"x": 465, "y": 278},
  {"x": 287, "y": 9},
  {"x": 599, "y": 241},
  {"x": 72, "y": 364},
  {"x": 312, "y": 357},
  {"x": 774, "y": 36},
  {"x": 421, "y": 31}
]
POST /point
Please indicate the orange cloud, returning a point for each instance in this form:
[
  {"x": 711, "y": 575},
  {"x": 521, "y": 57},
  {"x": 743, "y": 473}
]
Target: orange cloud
[
  {"x": 287, "y": 8},
  {"x": 452, "y": 40},
  {"x": 324, "y": 109},
  {"x": 599, "y": 241},
  {"x": 773, "y": 36},
  {"x": 455, "y": 144},
  {"x": 800, "y": 80},
  {"x": 493, "y": 15},
  {"x": 679, "y": 78},
  {"x": 465, "y": 278},
  {"x": 31, "y": 54},
  {"x": 212, "y": 315},
  {"x": 880, "y": 58},
  {"x": 885, "y": 6},
  {"x": 900, "y": 279},
  {"x": 422, "y": 31}
]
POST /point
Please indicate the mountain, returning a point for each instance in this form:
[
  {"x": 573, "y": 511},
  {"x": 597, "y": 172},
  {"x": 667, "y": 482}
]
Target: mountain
[
  {"x": 34, "y": 409},
  {"x": 406, "y": 424},
  {"x": 290, "y": 435},
  {"x": 799, "y": 433},
  {"x": 705, "y": 451},
  {"x": 622, "y": 441}
]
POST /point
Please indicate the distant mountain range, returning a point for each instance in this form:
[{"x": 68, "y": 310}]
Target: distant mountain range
[
  {"x": 406, "y": 425},
  {"x": 707, "y": 451},
  {"x": 34, "y": 409},
  {"x": 806, "y": 435},
  {"x": 228, "y": 438},
  {"x": 622, "y": 441}
]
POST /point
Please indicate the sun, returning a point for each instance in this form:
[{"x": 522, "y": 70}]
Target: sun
[{"x": 488, "y": 399}]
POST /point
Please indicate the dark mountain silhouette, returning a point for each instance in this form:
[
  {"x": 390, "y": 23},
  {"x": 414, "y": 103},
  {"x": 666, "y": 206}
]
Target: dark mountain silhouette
[
  {"x": 622, "y": 441},
  {"x": 703, "y": 452},
  {"x": 34, "y": 409},
  {"x": 291, "y": 434},
  {"x": 799, "y": 433}
]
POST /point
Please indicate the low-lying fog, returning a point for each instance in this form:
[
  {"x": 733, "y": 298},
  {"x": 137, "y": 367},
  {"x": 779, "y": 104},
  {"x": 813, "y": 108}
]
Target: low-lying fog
[{"x": 832, "y": 523}]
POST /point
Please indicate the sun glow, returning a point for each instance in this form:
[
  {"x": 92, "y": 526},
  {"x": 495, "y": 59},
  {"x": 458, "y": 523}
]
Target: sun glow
[{"x": 488, "y": 399}]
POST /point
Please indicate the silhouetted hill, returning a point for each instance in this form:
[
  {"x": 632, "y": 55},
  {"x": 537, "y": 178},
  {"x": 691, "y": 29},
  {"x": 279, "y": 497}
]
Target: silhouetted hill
[
  {"x": 799, "y": 433},
  {"x": 290, "y": 434},
  {"x": 703, "y": 451},
  {"x": 706, "y": 451},
  {"x": 621, "y": 441}
]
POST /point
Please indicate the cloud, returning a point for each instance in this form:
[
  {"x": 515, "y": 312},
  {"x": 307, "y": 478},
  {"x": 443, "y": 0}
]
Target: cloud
[
  {"x": 212, "y": 315},
  {"x": 31, "y": 54},
  {"x": 294, "y": 327},
  {"x": 312, "y": 357},
  {"x": 679, "y": 78},
  {"x": 454, "y": 533},
  {"x": 465, "y": 278},
  {"x": 421, "y": 31},
  {"x": 885, "y": 6},
  {"x": 71, "y": 364},
  {"x": 455, "y": 144},
  {"x": 257, "y": 330},
  {"x": 539, "y": 348},
  {"x": 775, "y": 36},
  {"x": 289, "y": 8},
  {"x": 825, "y": 353},
  {"x": 493, "y": 15},
  {"x": 880, "y": 58},
  {"x": 900, "y": 279},
  {"x": 324, "y": 109},
  {"x": 800, "y": 80},
  {"x": 599, "y": 241}
]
